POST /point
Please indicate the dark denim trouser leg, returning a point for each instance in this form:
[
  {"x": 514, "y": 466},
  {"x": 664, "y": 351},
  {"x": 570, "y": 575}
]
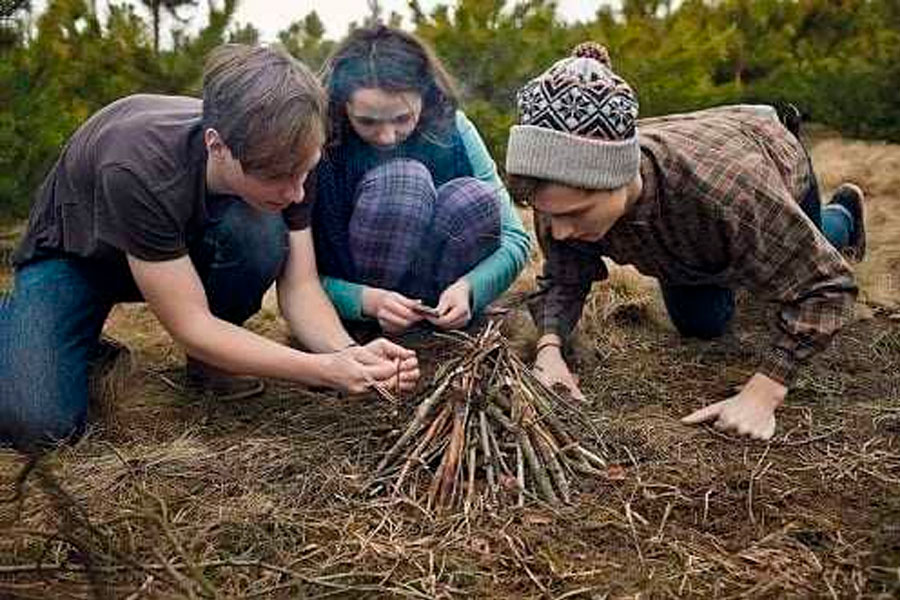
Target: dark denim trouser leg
[
  {"x": 701, "y": 311},
  {"x": 49, "y": 327},
  {"x": 837, "y": 225},
  {"x": 50, "y": 324},
  {"x": 834, "y": 223},
  {"x": 240, "y": 254}
]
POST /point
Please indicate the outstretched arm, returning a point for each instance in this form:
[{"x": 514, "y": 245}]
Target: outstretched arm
[
  {"x": 785, "y": 257},
  {"x": 309, "y": 313},
  {"x": 569, "y": 272},
  {"x": 176, "y": 296}
]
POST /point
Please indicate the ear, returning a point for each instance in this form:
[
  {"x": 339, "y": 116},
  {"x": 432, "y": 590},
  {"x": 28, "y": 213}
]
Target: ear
[{"x": 215, "y": 146}]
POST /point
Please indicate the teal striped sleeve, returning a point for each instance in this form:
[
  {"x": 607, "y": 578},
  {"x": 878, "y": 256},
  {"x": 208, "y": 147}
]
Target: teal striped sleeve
[
  {"x": 346, "y": 297},
  {"x": 492, "y": 276}
]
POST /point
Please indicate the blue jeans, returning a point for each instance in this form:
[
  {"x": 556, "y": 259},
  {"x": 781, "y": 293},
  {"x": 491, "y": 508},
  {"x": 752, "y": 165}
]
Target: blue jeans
[
  {"x": 704, "y": 311},
  {"x": 51, "y": 322}
]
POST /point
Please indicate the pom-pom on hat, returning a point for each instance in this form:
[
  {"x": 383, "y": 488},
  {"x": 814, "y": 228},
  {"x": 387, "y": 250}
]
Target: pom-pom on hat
[{"x": 577, "y": 124}]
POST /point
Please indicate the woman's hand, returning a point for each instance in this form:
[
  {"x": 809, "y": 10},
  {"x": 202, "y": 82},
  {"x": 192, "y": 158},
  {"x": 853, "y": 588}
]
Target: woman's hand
[
  {"x": 395, "y": 312},
  {"x": 454, "y": 308}
]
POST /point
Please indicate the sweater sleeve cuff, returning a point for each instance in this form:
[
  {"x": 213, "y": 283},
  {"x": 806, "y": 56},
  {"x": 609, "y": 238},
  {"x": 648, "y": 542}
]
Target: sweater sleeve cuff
[
  {"x": 780, "y": 365},
  {"x": 346, "y": 297}
]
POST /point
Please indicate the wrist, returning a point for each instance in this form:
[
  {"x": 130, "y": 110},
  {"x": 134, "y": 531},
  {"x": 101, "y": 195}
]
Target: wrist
[
  {"x": 549, "y": 342},
  {"x": 464, "y": 284},
  {"x": 771, "y": 390},
  {"x": 370, "y": 299}
]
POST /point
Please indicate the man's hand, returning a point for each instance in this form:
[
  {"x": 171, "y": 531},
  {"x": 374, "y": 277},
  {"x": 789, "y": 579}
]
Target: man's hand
[
  {"x": 394, "y": 311},
  {"x": 751, "y": 412},
  {"x": 453, "y": 307},
  {"x": 358, "y": 368},
  {"x": 551, "y": 369}
]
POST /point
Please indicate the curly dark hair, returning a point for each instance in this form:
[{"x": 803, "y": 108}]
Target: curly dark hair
[{"x": 392, "y": 60}]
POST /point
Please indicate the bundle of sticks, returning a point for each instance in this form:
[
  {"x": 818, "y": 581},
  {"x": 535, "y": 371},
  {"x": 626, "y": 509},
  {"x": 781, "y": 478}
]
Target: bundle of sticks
[{"x": 488, "y": 432}]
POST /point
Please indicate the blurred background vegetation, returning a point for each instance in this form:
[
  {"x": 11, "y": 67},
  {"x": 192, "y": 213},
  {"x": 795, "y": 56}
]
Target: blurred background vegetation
[{"x": 838, "y": 60}]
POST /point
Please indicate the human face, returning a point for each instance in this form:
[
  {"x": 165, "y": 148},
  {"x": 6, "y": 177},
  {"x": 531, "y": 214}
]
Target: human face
[
  {"x": 583, "y": 215},
  {"x": 226, "y": 175},
  {"x": 381, "y": 118}
]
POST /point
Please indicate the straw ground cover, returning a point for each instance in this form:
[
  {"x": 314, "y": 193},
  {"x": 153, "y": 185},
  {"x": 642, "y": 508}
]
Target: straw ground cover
[{"x": 173, "y": 496}]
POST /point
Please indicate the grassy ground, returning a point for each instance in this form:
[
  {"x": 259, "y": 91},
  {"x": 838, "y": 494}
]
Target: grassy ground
[{"x": 173, "y": 496}]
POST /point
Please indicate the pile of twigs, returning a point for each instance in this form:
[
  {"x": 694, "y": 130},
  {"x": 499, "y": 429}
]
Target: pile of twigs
[{"x": 488, "y": 433}]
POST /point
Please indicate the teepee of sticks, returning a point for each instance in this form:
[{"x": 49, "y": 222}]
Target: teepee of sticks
[{"x": 488, "y": 433}]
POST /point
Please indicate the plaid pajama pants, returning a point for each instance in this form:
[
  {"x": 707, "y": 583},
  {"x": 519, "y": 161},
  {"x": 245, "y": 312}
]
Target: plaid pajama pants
[{"x": 410, "y": 237}]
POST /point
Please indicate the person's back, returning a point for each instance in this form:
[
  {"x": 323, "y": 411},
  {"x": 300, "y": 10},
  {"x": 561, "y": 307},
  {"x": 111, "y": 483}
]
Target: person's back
[
  {"x": 706, "y": 202},
  {"x": 700, "y": 171},
  {"x": 148, "y": 147}
]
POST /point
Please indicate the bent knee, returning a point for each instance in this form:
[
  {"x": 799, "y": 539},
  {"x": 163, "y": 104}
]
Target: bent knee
[
  {"x": 34, "y": 430},
  {"x": 703, "y": 331}
]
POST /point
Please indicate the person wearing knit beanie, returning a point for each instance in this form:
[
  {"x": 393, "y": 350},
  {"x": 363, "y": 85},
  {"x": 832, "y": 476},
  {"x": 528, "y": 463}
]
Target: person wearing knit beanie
[
  {"x": 577, "y": 124},
  {"x": 706, "y": 202}
]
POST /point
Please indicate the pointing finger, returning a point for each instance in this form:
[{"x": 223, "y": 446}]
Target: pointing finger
[{"x": 704, "y": 414}]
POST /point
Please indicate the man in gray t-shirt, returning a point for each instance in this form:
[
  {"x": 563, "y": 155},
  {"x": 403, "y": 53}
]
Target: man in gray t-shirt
[{"x": 196, "y": 208}]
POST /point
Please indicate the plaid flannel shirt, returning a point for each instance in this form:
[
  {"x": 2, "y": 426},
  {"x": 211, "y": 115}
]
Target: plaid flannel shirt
[{"x": 720, "y": 206}]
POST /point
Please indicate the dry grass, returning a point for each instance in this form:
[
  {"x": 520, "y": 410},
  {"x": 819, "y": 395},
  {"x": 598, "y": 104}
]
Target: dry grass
[
  {"x": 189, "y": 498},
  {"x": 876, "y": 167}
]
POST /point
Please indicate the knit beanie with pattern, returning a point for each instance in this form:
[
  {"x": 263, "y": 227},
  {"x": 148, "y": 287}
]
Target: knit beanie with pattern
[{"x": 577, "y": 124}]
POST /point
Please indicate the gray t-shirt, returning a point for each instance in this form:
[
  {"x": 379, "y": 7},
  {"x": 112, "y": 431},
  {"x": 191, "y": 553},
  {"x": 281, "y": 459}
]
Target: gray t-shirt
[{"x": 131, "y": 180}]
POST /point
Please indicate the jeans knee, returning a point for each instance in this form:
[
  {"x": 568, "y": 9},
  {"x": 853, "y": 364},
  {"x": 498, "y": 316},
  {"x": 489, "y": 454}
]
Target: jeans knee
[
  {"x": 702, "y": 312},
  {"x": 704, "y": 330},
  {"x": 251, "y": 244},
  {"x": 42, "y": 427}
]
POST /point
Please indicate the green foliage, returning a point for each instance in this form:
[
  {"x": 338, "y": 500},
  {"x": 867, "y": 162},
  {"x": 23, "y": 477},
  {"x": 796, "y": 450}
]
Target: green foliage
[
  {"x": 71, "y": 68},
  {"x": 838, "y": 60},
  {"x": 305, "y": 40}
]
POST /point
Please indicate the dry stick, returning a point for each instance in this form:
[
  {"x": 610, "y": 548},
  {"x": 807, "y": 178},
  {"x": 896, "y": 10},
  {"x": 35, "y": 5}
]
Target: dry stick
[
  {"x": 439, "y": 443},
  {"x": 591, "y": 458},
  {"x": 580, "y": 466},
  {"x": 529, "y": 378},
  {"x": 495, "y": 413},
  {"x": 465, "y": 428},
  {"x": 537, "y": 469},
  {"x": 553, "y": 466},
  {"x": 435, "y": 483},
  {"x": 496, "y": 452},
  {"x": 183, "y": 581},
  {"x": 163, "y": 523},
  {"x": 520, "y": 475},
  {"x": 574, "y": 457},
  {"x": 521, "y": 561},
  {"x": 470, "y": 495},
  {"x": 438, "y": 422},
  {"x": 447, "y": 465},
  {"x": 486, "y": 450},
  {"x": 421, "y": 414},
  {"x": 756, "y": 473},
  {"x": 457, "y": 446}
]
